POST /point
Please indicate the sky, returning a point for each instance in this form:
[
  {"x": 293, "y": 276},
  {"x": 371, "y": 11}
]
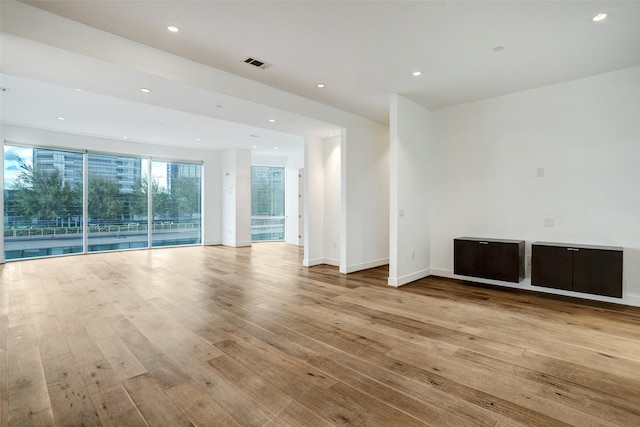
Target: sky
[{"x": 11, "y": 168}]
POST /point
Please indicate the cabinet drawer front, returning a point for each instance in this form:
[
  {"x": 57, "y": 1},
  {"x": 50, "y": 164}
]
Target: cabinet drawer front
[
  {"x": 489, "y": 259},
  {"x": 598, "y": 272},
  {"x": 552, "y": 267},
  {"x": 467, "y": 258},
  {"x": 501, "y": 262}
]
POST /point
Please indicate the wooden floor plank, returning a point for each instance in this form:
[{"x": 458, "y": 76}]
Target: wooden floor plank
[
  {"x": 249, "y": 337},
  {"x": 200, "y": 409},
  {"x": 154, "y": 404}
]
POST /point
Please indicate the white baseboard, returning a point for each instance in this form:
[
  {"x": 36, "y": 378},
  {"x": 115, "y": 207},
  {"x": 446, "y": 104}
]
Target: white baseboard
[
  {"x": 212, "y": 243},
  {"x": 364, "y": 266},
  {"x": 237, "y": 244},
  {"x": 408, "y": 278},
  {"x": 311, "y": 262},
  {"x": 442, "y": 273},
  {"x": 633, "y": 299},
  {"x": 318, "y": 261}
]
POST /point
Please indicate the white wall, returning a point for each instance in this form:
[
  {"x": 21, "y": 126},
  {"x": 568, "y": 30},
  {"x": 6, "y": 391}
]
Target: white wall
[
  {"x": 411, "y": 163},
  {"x": 313, "y": 203},
  {"x": 364, "y": 196},
  {"x": 236, "y": 198},
  {"x": 585, "y": 134},
  {"x": 212, "y": 164},
  {"x": 295, "y": 163},
  {"x": 291, "y": 231},
  {"x": 331, "y": 204}
]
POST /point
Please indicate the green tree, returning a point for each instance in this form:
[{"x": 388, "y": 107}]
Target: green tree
[
  {"x": 105, "y": 200},
  {"x": 139, "y": 197},
  {"x": 42, "y": 194},
  {"x": 185, "y": 197}
]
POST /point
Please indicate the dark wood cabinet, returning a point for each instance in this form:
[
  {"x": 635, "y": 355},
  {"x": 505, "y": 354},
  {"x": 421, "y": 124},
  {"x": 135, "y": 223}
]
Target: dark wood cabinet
[
  {"x": 496, "y": 259},
  {"x": 580, "y": 268}
]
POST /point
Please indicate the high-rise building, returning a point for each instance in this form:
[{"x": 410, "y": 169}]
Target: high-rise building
[{"x": 126, "y": 170}]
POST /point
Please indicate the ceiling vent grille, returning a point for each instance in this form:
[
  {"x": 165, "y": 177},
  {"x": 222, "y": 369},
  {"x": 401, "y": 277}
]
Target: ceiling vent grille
[{"x": 257, "y": 63}]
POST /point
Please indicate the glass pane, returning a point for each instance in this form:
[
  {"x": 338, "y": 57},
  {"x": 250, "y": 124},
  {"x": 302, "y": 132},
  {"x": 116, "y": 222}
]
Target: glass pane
[
  {"x": 267, "y": 203},
  {"x": 176, "y": 195},
  {"x": 267, "y": 191},
  {"x": 117, "y": 205},
  {"x": 267, "y": 229},
  {"x": 43, "y": 202}
]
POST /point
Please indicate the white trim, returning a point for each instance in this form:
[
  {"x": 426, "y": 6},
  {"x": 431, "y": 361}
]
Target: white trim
[
  {"x": 212, "y": 243},
  {"x": 237, "y": 244},
  {"x": 364, "y": 266},
  {"x": 319, "y": 261},
  {"x": 311, "y": 262},
  {"x": 408, "y": 278},
  {"x": 632, "y": 299}
]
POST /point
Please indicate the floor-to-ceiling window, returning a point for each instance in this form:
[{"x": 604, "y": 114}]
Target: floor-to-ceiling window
[
  {"x": 267, "y": 203},
  {"x": 117, "y": 202},
  {"x": 176, "y": 195},
  {"x": 61, "y": 202},
  {"x": 42, "y": 202}
]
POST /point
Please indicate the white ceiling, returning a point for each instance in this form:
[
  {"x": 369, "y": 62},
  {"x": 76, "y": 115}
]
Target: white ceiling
[{"x": 364, "y": 51}]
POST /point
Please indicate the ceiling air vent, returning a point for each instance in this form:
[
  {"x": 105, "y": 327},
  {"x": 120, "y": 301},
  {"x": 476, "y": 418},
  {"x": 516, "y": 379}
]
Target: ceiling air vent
[{"x": 257, "y": 63}]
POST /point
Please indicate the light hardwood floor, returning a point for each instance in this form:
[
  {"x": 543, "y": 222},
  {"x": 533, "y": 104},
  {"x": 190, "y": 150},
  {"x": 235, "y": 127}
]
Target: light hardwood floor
[{"x": 220, "y": 336}]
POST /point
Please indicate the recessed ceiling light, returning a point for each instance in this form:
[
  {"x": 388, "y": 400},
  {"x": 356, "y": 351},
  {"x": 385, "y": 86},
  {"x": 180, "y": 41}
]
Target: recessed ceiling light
[
  {"x": 145, "y": 89},
  {"x": 320, "y": 85},
  {"x": 272, "y": 120},
  {"x": 197, "y": 139},
  {"x": 331, "y": 134},
  {"x": 61, "y": 118},
  {"x": 275, "y": 148},
  {"x": 498, "y": 48},
  {"x": 124, "y": 137},
  {"x": 219, "y": 106},
  {"x": 78, "y": 90},
  {"x": 417, "y": 73},
  {"x": 253, "y": 135},
  {"x": 599, "y": 17},
  {"x": 255, "y": 146},
  {"x": 173, "y": 28}
]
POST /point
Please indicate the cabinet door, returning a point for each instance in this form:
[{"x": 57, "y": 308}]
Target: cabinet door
[
  {"x": 597, "y": 272},
  {"x": 552, "y": 267},
  {"x": 501, "y": 262},
  {"x": 467, "y": 258}
]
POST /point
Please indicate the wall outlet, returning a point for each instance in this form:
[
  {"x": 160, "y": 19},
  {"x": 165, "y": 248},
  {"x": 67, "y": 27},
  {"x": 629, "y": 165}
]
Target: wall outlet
[{"x": 549, "y": 222}]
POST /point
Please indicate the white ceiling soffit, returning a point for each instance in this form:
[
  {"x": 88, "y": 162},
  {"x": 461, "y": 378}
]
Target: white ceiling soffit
[
  {"x": 363, "y": 51},
  {"x": 42, "y": 105}
]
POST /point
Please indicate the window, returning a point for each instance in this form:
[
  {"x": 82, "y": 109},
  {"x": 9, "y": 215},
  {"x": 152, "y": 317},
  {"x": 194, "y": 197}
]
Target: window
[
  {"x": 117, "y": 203},
  {"x": 176, "y": 196},
  {"x": 42, "y": 203},
  {"x": 44, "y": 195},
  {"x": 267, "y": 203}
]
